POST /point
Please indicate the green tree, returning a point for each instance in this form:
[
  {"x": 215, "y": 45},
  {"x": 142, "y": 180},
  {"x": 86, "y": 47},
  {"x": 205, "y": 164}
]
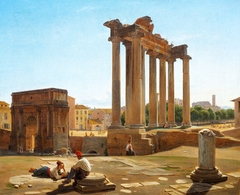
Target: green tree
[
  {"x": 147, "y": 114},
  {"x": 218, "y": 115},
  {"x": 178, "y": 114},
  {"x": 123, "y": 118},
  {"x": 230, "y": 113},
  {"x": 212, "y": 115},
  {"x": 194, "y": 115},
  {"x": 224, "y": 114},
  {"x": 205, "y": 114}
]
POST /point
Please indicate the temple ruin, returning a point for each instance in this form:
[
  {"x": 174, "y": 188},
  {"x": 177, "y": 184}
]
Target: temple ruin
[
  {"x": 40, "y": 120},
  {"x": 139, "y": 40}
]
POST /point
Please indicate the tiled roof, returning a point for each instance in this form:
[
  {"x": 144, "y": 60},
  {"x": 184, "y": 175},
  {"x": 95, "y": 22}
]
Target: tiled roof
[
  {"x": 80, "y": 107},
  {"x": 95, "y": 121}
]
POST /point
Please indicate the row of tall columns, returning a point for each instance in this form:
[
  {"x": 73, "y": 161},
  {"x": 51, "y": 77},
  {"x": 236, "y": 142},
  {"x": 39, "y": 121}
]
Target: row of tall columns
[{"x": 135, "y": 86}]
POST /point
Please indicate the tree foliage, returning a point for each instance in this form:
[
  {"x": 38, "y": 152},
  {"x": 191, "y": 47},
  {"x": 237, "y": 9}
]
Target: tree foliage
[{"x": 197, "y": 113}]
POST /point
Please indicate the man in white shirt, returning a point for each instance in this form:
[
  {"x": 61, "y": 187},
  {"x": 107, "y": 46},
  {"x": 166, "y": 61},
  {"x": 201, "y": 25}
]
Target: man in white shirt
[{"x": 80, "y": 170}]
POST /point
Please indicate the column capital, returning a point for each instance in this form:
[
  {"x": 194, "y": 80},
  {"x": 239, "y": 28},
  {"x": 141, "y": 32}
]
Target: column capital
[
  {"x": 135, "y": 34},
  {"x": 171, "y": 60},
  {"x": 162, "y": 57},
  {"x": 152, "y": 53},
  {"x": 127, "y": 43},
  {"x": 115, "y": 39},
  {"x": 186, "y": 57}
]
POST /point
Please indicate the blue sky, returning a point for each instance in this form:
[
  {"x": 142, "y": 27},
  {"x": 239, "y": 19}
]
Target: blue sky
[{"x": 63, "y": 44}]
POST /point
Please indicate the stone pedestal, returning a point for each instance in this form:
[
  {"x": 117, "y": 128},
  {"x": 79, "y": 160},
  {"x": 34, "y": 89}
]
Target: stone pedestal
[{"x": 206, "y": 172}]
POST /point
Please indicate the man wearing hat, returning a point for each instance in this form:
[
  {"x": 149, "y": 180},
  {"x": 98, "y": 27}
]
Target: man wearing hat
[{"x": 80, "y": 170}]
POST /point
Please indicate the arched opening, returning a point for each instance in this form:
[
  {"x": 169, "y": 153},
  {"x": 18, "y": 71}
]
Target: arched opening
[
  {"x": 92, "y": 152},
  {"x": 31, "y": 132}
]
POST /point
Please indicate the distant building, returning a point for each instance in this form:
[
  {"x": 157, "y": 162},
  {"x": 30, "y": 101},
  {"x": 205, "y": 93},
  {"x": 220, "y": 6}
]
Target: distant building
[
  {"x": 178, "y": 102},
  {"x": 95, "y": 125},
  {"x": 237, "y": 112},
  {"x": 40, "y": 120},
  {"x": 206, "y": 104},
  {"x": 104, "y": 115},
  {"x": 81, "y": 116},
  {"x": 5, "y": 116}
]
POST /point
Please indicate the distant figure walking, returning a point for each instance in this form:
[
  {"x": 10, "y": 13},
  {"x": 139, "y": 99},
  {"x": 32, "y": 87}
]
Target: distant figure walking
[{"x": 129, "y": 148}]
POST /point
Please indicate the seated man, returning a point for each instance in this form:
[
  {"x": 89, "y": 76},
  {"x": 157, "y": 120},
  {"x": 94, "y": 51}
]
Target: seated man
[
  {"x": 80, "y": 170},
  {"x": 129, "y": 149}
]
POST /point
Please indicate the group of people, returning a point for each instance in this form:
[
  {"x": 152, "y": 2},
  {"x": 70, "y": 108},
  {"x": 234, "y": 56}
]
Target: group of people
[{"x": 78, "y": 171}]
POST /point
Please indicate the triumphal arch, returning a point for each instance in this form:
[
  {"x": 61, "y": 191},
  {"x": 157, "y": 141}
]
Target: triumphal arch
[
  {"x": 40, "y": 120},
  {"x": 139, "y": 40}
]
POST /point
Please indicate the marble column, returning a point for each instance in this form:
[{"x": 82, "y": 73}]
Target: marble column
[
  {"x": 206, "y": 171},
  {"x": 116, "y": 91},
  {"x": 186, "y": 92},
  {"x": 143, "y": 85},
  {"x": 129, "y": 73},
  {"x": 152, "y": 89},
  {"x": 171, "y": 104},
  {"x": 135, "y": 119},
  {"x": 162, "y": 91}
]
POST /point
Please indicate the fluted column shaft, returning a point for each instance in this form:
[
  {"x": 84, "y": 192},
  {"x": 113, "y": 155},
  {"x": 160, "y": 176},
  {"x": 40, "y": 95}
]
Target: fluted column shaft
[
  {"x": 116, "y": 91},
  {"x": 129, "y": 73},
  {"x": 152, "y": 89},
  {"x": 135, "y": 119},
  {"x": 143, "y": 85},
  {"x": 186, "y": 91},
  {"x": 171, "y": 108},
  {"x": 162, "y": 91}
]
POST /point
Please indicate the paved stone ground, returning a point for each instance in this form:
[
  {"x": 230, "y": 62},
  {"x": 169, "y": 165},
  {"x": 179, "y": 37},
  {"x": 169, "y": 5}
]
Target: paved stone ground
[{"x": 161, "y": 174}]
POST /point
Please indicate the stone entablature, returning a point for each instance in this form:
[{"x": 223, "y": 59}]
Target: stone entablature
[{"x": 40, "y": 120}]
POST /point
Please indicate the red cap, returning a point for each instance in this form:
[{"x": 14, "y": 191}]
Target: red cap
[{"x": 78, "y": 153}]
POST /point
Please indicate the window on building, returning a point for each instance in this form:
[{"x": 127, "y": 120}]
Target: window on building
[
  {"x": 85, "y": 112},
  {"x": 81, "y": 119},
  {"x": 238, "y": 107},
  {"x": 81, "y": 112},
  {"x": 5, "y": 116},
  {"x": 77, "y": 112},
  {"x": 6, "y": 126},
  {"x": 77, "y": 119}
]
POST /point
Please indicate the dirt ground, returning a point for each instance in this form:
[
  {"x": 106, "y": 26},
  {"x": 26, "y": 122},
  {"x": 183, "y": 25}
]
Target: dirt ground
[{"x": 180, "y": 162}]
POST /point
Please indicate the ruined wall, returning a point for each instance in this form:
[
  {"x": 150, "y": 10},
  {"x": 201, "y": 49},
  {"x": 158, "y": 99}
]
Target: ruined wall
[
  {"x": 117, "y": 141},
  {"x": 4, "y": 139},
  {"x": 170, "y": 139}
]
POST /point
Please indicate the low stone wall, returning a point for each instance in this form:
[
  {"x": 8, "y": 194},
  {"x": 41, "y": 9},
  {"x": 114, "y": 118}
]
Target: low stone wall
[
  {"x": 76, "y": 143},
  {"x": 169, "y": 139},
  {"x": 4, "y": 139}
]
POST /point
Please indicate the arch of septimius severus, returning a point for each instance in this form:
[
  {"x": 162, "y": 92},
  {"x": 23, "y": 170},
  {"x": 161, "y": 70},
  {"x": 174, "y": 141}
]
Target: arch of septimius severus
[{"x": 139, "y": 40}]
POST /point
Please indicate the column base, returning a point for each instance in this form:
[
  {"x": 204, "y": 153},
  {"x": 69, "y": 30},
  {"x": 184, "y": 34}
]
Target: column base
[
  {"x": 152, "y": 125},
  {"x": 136, "y": 126},
  {"x": 207, "y": 176}
]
